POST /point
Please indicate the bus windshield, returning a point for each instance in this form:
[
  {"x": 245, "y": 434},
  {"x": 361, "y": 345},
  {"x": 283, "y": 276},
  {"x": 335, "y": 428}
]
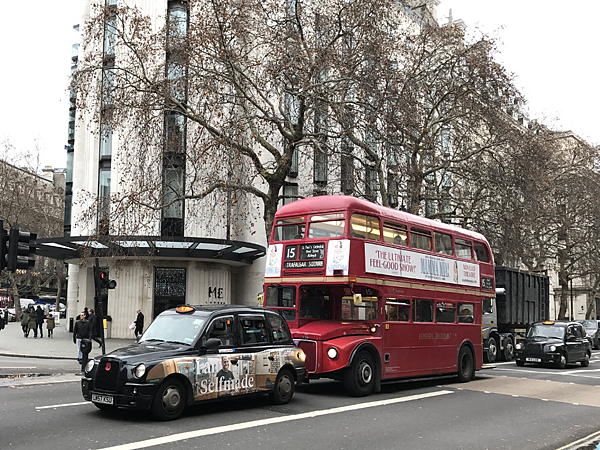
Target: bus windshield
[{"x": 366, "y": 309}]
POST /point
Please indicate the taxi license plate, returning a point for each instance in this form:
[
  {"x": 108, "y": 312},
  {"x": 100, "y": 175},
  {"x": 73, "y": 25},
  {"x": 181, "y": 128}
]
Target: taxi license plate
[
  {"x": 106, "y": 399},
  {"x": 533, "y": 359}
]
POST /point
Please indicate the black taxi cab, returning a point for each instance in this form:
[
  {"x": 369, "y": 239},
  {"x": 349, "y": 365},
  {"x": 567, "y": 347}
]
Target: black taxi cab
[
  {"x": 558, "y": 343},
  {"x": 192, "y": 354}
]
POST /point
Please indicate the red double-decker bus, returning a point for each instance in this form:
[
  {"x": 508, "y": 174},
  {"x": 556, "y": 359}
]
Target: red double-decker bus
[{"x": 373, "y": 294}]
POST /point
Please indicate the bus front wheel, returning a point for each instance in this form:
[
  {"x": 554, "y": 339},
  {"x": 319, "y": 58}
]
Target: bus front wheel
[
  {"x": 359, "y": 378},
  {"x": 466, "y": 365}
]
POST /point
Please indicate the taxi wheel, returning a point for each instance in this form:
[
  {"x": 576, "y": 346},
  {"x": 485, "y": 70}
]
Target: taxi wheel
[
  {"x": 586, "y": 361},
  {"x": 562, "y": 362},
  {"x": 492, "y": 352},
  {"x": 359, "y": 378},
  {"x": 169, "y": 400},
  {"x": 284, "y": 388},
  {"x": 466, "y": 366}
]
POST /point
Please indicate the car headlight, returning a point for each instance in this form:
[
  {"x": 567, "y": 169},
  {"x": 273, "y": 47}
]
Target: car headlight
[
  {"x": 332, "y": 353},
  {"x": 301, "y": 355},
  {"x": 89, "y": 366},
  {"x": 518, "y": 346},
  {"x": 553, "y": 348},
  {"x": 139, "y": 371}
]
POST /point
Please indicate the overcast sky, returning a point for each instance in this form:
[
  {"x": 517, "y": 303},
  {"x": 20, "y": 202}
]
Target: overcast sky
[{"x": 551, "y": 46}]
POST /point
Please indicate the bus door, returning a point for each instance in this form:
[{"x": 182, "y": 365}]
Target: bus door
[
  {"x": 397, "y": 341},
  {"x": 446, "y": 334},
  {"x": 424, "y": 337}
]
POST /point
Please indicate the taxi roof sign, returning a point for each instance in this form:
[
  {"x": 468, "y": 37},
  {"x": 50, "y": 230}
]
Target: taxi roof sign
[
  {"x": 548, "y": 322},
  {"x": 185, "y": 309}
]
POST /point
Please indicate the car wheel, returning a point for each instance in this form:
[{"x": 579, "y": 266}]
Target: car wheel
[
  {"x": 562, "y": 362},
  {"x": 169, "y": 400},
  {"x": 359, "y": 378},
  {"x": 103, "y": 407},
  {"x": 586, "y": 360},
  {"x": 509, "y": 349},
  {"x": 520, "y": 363},
  {"x": 492, "y": 352},
  {"x": 284, "y": 387},
  {"x": 466, "y": 365}
]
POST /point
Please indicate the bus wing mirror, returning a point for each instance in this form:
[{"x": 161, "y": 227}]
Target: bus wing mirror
[{"x": 357, "y": 299}]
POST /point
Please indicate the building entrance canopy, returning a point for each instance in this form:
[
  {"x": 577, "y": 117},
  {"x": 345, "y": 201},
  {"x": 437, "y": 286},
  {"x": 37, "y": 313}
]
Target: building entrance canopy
[{"x": 71, "y": 249}]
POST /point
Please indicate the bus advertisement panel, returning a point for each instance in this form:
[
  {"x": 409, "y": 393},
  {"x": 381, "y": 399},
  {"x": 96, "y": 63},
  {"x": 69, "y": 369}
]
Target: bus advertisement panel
[{"x": 374, "y": 294}]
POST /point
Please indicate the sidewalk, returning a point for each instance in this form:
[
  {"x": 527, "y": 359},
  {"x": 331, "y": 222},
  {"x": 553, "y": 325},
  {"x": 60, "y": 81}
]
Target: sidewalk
[{"x": 13, "y": 343}]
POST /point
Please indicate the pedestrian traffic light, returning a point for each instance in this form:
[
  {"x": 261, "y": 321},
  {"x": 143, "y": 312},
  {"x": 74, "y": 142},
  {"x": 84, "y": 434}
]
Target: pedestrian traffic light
[
  {"x": 21, "y": 250},
  {"x": 105, "y": 281}
]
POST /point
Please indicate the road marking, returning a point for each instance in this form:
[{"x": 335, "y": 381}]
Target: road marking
[
  {"x": 64, "y": 404},
  {"x": 271, "y": 421},
  {"x": 17, "y": 367},
  {"x": 577, "y": 444},
  {"x": 576, "y": 373}
]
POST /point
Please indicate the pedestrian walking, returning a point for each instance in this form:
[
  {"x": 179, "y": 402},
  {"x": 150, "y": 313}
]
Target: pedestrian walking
[
  {"x": 139, "y": 323},
  {"x": 94, "y": 324},
  {"x": 50, "y": 325},
  {"x": 39, "y": 321},
  {"x": 31, "y": 325},
  {"x": 25, "y": 323},
  {"x": 82, "y": 331}
]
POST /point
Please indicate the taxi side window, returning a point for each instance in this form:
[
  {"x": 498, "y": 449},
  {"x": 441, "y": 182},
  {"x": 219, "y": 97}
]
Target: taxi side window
[
  {"x": 222, "y": 329},
  {"x": 254, "y": 330},
  {"x": 279, "y": 328}
]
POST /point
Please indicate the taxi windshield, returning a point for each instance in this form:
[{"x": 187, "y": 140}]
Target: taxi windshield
[
  {"x": 591, "y": 325},
  {"x": 546, "y": 331},
  {"x": 179, "y": 328}
]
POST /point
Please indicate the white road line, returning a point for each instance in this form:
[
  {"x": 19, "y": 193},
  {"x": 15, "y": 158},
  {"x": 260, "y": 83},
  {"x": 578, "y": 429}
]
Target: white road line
[
  {"x": 17, "y": 367},
  {"x": 64, "y": 404},
  {"x": 580, "y": 373},
  {"x": 271, "y": 421}
]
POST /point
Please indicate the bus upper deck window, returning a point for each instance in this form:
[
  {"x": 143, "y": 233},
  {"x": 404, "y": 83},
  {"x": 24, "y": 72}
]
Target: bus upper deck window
[
  {"x": 395, "y": 233},
  {"x": 364, "y": 227},
  {"x": 463, "y": 248},
  {"x": 289, "y": 229},
  {"x": 481, "y": 253},
  {"x": 420, "y": 239},
  {"x": 326, "y": 226},
  {"x": 443, "y": 243}
]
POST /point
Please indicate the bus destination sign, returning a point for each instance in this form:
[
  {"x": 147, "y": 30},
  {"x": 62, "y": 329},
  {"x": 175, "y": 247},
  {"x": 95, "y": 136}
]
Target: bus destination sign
[
  {"x": 312, "y": 251},
  {"x": 316, "y": 264}
]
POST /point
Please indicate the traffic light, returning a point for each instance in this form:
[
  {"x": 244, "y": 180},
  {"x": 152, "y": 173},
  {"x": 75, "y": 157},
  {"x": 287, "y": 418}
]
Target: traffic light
[
  {"x": 3, "y": 239},
  {"x": 21, "y": 248},
  {"x": 105, "y": 281}
]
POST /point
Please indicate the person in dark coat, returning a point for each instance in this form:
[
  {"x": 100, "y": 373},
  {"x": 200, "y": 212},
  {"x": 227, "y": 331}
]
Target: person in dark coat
[
  {"x": 50, "y": 325},
  {"x": 39, "y": 321},
  {"x": 32, "y": 322},
  {"x": 94, "y": 324},
  {"x": 82, "y": 330},
  {"x": 139, "y": 324}
]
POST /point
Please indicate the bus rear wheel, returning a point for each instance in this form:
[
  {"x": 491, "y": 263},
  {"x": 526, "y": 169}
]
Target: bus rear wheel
[
  {"x": 359, "y": 378},
  {"x": 466, "y": 365}
]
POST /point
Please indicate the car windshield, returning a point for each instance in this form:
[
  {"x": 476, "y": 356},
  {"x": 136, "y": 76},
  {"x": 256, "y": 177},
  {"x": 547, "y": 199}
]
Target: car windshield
[
  {"x": 178, "y": 328},
  {"x": 591, "y": 325},
  {"x": 546, "y": 331}
]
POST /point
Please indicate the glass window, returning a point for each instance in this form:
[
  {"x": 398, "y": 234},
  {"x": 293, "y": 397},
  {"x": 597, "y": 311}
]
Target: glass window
[
  {"x": 288, "y": 232},
  {"x": 445, "y": 312},
  {"x": 281, "y": 297},
  {"x": 279, "y": 328},
  {"x": 463, "y": 248},
  {"x": 254, "y": 329},
  {"x": 465, "y": 313},
  {"x": 222, "y": 329},
  {"x": 177, "y": 20},
  {"x": 106, "y": 140},
  {"x": 367, "y": 310},
  {"x": 420, "y": 239},
  {"x": 397, "y": 310},
  {"x": 423, "y": 310},
  {"x": 176, "y": 328},
  {"x": 173, "y": 190},
  {"x": 314, "y": 303},
  {"x": 175, "y": 133},
  {"x": 331, "y": 228},
  {"x": 443, "y": 243},
  {"x": 395, "y": 233},
  {"x": 481, "y": 253},
  {"x": 364, "y": 227}
]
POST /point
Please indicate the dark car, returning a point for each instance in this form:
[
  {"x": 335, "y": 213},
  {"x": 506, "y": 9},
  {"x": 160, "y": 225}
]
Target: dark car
[
  {"x": 193, "y": 354},
  {"x": 593, "y": 332},
  {"x": 559, "y": 343}
]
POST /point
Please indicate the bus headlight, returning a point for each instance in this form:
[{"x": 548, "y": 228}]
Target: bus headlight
[
  {"x": 139, "y": 371},
  {"x": 332, "y": 353}
]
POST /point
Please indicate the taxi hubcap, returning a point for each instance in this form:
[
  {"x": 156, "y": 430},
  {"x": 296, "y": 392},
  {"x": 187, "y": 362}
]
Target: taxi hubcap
[
  {"x": 171, "y": 398},
  {"x": 285, "y": 386}
]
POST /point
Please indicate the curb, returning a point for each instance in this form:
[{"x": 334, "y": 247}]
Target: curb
[{"x": 18, "y": 355}]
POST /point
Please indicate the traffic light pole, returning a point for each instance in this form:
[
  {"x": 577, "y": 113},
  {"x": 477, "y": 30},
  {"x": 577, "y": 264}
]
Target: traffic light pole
[{"x": 98, "y": 306}]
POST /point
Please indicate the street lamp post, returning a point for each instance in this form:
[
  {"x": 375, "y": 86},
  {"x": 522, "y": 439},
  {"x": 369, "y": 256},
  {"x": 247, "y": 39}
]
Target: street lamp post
[{"x": 572, "y": 316}]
